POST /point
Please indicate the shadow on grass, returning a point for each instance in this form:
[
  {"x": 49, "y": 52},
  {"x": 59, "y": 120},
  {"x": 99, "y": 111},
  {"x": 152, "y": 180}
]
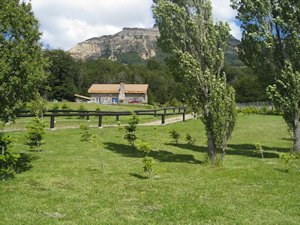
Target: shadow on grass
[
  {"x": 247, "y": 150},
  {"x": 23, "y": 163},
  {"x": 160, "y": 155},
  {"x": 138, "y": 176}
]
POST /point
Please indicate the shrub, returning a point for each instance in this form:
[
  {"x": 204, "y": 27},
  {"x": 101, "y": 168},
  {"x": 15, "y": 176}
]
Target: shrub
[
  {"x": 259, "y": 149},
  {"x": 38, "y": 107},
  {"x": 65, "y": 107},
  {"x": 148, "y": 162},
  {"x": 143, "y": 146},
  {"x": 175, "y": 135},
  {"x": 85, "y": 133},
  {"x": 148, "y": 165},
  {"x": 35, "y": 132},
  {"x": 174, "y": 102},
  {"x": 130, "y": 135},
  {"x": 287, "y": 160},
  {"x": 8, "y": 160},
  {"x": 81, "y": 108},
  {"x": 55, "y": 106},
  {"x": 190, "y": 140}
]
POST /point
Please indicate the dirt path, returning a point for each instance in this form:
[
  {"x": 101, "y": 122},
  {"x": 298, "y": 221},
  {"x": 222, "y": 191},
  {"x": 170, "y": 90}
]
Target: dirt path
[{"x": 169, "y": 120}]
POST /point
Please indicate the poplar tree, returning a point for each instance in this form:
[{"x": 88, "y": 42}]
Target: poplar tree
[
  {"x": 271, "y": 46},
  {"x": 197, "y": 46},
  {"x": 21, "y": 58}
]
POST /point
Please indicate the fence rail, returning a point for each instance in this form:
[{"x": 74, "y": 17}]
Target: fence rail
[{"x": 163, "y": 112}]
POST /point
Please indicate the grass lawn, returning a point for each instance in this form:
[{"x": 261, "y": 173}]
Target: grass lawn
[{"x": 73, "y": 182}]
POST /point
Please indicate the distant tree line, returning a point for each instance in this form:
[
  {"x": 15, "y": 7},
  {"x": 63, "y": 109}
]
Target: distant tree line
[{"x": 69, "y": 76}]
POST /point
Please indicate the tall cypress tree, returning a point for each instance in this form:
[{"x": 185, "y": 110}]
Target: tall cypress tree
[
  {"x": 271, "y": 47},
  {"x": 197, "y": 45}
]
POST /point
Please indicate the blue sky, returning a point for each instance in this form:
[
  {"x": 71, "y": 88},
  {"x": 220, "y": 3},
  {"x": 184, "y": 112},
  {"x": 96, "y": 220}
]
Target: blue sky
[{"x": 64, "y": 23}]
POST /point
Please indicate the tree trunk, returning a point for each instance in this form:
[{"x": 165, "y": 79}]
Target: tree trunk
[
  {"x": 296, "y": 147},
  {"x": 212, "y": 153}
]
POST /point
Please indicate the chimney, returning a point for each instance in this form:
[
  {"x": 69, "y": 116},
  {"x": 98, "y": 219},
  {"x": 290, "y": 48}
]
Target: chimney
[{"x": 122, "y": 92}]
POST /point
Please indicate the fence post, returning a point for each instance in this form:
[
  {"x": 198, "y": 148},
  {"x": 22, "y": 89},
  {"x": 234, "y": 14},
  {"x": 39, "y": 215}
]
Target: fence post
[
  {"x": 88, "y": 117},
  {"x": 163, "y": 119},
  {"x": 52, "y": 122},
  {"x": 155, "y": 111},
  {"x": 117, "y": 118},
  {"x": 174, "y": 110},
  {"x": 100, "y": 121},
  {"x": 183, "y": 115}
]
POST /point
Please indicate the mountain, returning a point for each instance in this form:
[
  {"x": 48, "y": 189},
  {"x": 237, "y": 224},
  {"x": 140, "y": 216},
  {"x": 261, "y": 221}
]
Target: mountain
[{"x": 133, "y": 45}]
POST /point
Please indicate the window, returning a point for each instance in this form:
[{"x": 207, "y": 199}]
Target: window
[{"x": 114, "y": 100}]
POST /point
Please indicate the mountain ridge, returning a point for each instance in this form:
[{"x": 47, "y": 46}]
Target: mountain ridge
[{"x": 133, "y": 45}]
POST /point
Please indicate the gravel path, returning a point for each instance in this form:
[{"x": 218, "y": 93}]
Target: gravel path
[{"x": 169, "y": 120}]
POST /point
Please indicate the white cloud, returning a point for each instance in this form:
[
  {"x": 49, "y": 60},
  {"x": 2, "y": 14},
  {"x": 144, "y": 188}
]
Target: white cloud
[
  {"x": 65, "y": 23},
  {"x": 223, "y": 12}
]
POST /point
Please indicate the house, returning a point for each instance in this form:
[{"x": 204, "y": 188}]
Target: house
[
  {"x": 81, "y": 98},
  {"x": 119, "y": 93}
]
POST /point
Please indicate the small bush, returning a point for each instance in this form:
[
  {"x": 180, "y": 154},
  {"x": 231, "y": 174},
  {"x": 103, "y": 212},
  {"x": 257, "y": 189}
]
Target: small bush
[
  {"x": 8, "y": 160},
  {"x": 55, "y": 106},
  {"x": 143, "y": 146},
  {"x": 287, "y": 160},
  {"x": 130, "y": 135},
  {"x": 85, "y": 133},
  {"x": 38, "y": 107},
  {"x": 190, "y": 140},
  {"x": 148, "y": 163},
  {"x": 35, "y": 132},
  {"x": 82, "y": 109},
  {"x": 259, "y": 149},
  {"x": 175, "y": 135},
  {"x": 175, "y": 102},
  {"x": 65, "y": 107}
]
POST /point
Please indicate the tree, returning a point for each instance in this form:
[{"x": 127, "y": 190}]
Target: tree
[
  {"x": 270, "y": 35},
  {"x": 285, "y": 94},
  {"x": 64, "y": 75},
  {"x": 271, "y": 46},
  {"x": 36, "y": 132},
  {"x": 197, "y": 45},
  {"x": 22, "y": 62}
]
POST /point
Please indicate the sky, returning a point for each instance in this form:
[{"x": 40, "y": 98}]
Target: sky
[{"x": 64, "y": 23}]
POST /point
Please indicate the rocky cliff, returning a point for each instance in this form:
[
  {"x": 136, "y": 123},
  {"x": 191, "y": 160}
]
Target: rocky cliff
[
  {"x": 129, "y": 40},
  {"x": 130, "y": 45}
]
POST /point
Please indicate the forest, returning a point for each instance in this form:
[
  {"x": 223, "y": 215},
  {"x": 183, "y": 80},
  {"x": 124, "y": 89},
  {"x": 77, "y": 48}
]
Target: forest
[{"x": 68, "y": 76}]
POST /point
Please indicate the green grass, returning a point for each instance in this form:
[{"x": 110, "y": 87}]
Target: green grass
[
  {"x": 72, "y": 182},
  {"x": 93, "y": 106}
]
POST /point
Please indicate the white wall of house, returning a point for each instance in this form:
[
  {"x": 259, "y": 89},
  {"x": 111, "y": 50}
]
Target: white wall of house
[{"x": 114, "y": 98}]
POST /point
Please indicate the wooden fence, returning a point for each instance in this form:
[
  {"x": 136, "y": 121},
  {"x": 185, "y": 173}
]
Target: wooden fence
[{"x": 163, "y": 112}]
